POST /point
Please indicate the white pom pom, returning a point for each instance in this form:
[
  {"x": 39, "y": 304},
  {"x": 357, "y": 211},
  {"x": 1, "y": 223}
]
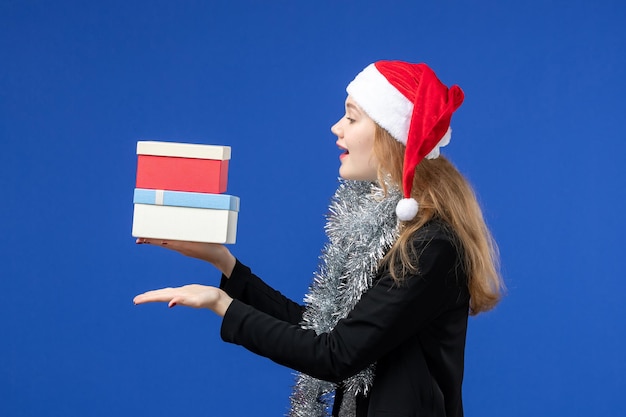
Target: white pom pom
[{"x": 406, "y": 209}]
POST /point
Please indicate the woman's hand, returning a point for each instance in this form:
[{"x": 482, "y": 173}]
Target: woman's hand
[
  {"x": 197, "y": 296},
  {"x": 214, "y": 253}
]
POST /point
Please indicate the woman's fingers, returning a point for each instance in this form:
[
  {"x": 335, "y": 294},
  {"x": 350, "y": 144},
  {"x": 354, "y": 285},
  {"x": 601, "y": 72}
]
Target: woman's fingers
[
  {"x": 192, "y": 249},
  {"x": 143, "y": 240},
  {"x": 162, "y": 295},
  {"x": 194, "y": 295},
  {"x": 174, "y": 301}
]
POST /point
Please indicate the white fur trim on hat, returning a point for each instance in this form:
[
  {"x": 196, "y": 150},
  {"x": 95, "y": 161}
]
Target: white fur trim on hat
[{"x": 387, "y": 106}]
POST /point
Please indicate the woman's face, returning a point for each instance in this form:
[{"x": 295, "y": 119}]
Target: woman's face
[{"x": 355, "y": 135}]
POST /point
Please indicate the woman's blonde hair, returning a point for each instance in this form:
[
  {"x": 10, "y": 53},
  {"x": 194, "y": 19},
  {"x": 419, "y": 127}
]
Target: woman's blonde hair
[{"x": 444, "y": 193}]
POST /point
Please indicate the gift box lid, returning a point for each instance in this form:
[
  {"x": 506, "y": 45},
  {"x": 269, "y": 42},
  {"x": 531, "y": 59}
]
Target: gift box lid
[
  {"x": 183, "y": 150},
  {"x": 186, "y": 199}
]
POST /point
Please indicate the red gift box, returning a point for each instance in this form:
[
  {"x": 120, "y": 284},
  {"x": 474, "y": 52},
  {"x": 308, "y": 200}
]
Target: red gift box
[{"x": 182, "y": 167}]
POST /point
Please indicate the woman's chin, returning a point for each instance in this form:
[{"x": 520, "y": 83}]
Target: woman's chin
[
  {"x": 347, "y": 174},
  {"x": 344, "y": 173}
]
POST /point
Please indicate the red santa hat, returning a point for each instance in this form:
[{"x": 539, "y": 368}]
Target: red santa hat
[{"x": 410, "y": 102}]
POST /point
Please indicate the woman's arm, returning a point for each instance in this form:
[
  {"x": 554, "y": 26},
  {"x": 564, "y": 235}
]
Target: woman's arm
[
  {"x": 386, "y": 315},
  {"x": 245, "y": 286}
]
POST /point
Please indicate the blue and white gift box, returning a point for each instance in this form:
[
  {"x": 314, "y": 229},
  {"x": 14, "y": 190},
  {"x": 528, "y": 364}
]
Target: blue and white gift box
[{"x": 177, "y": 215}]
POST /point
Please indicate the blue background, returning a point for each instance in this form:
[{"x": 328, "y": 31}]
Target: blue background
[{"x": 540, "y": 135}]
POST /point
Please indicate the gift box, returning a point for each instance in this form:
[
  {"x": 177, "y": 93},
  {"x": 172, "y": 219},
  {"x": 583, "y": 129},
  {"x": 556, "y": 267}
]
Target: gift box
[
  {"x": 179, "y": 193},
  {"x": 182, "y": 167},
  {"x": 197, "y": 217}
]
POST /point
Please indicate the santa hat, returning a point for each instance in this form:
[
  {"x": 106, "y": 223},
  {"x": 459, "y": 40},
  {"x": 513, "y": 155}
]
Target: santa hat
[{"x": 410, "y": 102}]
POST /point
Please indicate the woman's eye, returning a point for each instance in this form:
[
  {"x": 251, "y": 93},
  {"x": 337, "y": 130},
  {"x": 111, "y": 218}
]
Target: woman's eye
[{"x": 350, "y": 119}]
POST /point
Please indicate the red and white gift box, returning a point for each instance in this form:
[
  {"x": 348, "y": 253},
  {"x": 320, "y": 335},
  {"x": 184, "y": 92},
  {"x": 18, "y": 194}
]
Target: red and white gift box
[
  {"x": 182, "y": 167},
  {"x": 178, "y": 194}
]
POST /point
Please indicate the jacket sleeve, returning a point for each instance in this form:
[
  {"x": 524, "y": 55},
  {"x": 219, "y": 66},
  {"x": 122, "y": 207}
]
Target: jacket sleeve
[
  {"x": 246, "y": 287},
  {"x": 386, "y": 315}
]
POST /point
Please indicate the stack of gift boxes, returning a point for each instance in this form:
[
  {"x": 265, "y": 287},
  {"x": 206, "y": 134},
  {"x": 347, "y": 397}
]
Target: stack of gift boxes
[{"x": 179, "y": 193}]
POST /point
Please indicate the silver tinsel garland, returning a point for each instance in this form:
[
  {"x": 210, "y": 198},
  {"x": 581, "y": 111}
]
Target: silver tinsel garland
[{"x": 361, "y": 226}]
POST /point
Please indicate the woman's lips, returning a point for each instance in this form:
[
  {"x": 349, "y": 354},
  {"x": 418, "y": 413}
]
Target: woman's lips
[{"x": 345, "y": 151}]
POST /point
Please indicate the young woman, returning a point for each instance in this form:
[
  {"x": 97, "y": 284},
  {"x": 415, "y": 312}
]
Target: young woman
[{"x": 385, "y": 320}]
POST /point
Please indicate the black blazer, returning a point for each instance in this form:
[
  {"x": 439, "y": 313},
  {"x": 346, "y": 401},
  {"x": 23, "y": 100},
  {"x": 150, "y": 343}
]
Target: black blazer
[{"x": 414, "y": 331}]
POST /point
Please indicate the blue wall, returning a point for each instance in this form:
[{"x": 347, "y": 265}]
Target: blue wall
[{"x": 540, "y": 135}]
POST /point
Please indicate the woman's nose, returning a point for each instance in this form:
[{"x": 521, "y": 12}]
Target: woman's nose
[{"x": 336, "y": 129}]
